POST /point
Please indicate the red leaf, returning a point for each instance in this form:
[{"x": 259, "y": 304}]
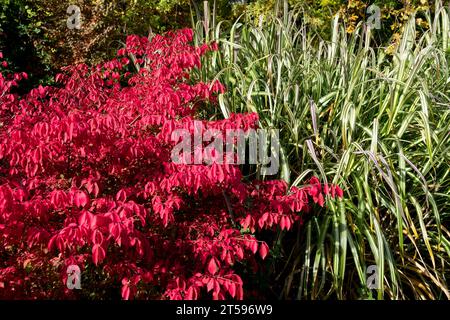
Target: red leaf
[
  {"x": 92, "y": 188},
  {"x": 339, "y": 192},
  {"x": 126, "y": 292},
  {"x": 98, "y": 254},
  {"x": 41, "y": 91},
  {"x": 283, "y": 222},
  {"x": 254, "y": 246},
  {"x": 232, "y": 289},
  {"x": 216, "y": 286},
  {"x": 263, "y": 250},
  {"x": 81, "y": 199},
  {"x": 213, "y": 266},
  {"x": 121, "y": 196},
  {"x": 97, "y": 237},
  {"x": 210, "y": 285},
  {"x": 239, "y": 252},
  {"x": 191, "y": 294},
  {"x": 320, "y": 200},
  {"x": 288, "y": 223},
  {"x": 239, "y": 292}
]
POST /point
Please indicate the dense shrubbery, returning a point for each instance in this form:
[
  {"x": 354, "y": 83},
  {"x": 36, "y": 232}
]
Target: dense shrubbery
[
  {"x": 320, "y": 13},
  {"x": 39, "y": 31},
  {"x": 86, "y": 179}
]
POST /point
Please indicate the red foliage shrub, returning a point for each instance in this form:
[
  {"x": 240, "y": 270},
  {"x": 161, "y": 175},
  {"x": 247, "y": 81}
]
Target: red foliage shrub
[{"x": 86, "y": 178}]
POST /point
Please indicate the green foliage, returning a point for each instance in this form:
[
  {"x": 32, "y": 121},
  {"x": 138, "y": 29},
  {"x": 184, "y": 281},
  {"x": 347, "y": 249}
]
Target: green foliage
[
  {"x": 319, "y": 14},
  {"x": 36, "y": 31},
  {"x": 19, "y": 28},
  {"x": 41, "y": 36}
]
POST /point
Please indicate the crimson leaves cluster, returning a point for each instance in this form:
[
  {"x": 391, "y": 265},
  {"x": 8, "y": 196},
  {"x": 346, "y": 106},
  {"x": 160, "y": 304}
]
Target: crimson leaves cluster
[{"x": 86, "y": 179}]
